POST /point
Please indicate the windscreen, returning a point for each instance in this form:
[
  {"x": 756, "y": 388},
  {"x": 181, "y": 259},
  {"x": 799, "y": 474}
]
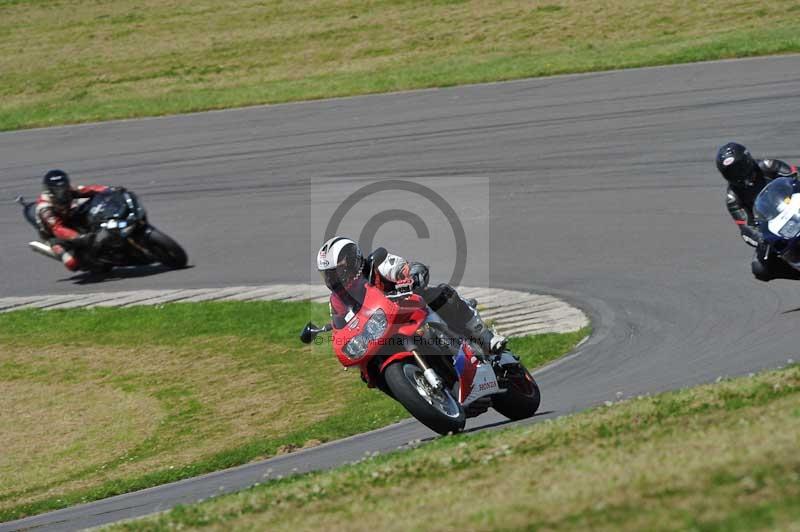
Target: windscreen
[
  {"x": 774, "y": 198},
  {"x": 104, "y": 207},
  {"x": 778, "y": 208}
]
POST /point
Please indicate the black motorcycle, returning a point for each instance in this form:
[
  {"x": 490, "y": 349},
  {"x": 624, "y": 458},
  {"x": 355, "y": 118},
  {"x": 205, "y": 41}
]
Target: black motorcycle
[{"x": 122, "y": 234}]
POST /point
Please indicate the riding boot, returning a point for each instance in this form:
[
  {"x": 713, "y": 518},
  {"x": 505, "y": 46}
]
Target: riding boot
[{"x": 488, "y": 339}]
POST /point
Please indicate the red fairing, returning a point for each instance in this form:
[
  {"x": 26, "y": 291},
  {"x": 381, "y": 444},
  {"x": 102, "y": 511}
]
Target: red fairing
[
  {"x": 395, "y": 357},
  {"x": 403, "y": 318},
  {"x": 412, "y": 314}
]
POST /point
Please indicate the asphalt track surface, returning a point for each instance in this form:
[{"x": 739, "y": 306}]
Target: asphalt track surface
[{"x": 603, "y": 191}]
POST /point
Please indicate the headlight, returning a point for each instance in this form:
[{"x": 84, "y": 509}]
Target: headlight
[
  {"x": 375, "y": 326},
  {"x": 373, "y": 330},
  {"x": 356, "y": 347},
  {"x": 791, "y": 228}
]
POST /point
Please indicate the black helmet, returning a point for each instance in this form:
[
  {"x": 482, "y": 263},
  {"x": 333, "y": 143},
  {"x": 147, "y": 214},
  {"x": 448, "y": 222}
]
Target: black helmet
[
  {"x": 736, "y": 165},
  {"x": 340, "y": 262},
  {"x": 56, "y": 182}
]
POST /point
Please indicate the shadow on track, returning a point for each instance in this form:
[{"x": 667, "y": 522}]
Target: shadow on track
[
  {"x": 118, "y": 274},
  {"x": 503, "y": 422}
]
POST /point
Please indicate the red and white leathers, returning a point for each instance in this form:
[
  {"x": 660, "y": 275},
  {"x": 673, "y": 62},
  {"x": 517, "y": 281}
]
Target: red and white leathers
[{"x": 54, "y": 221}]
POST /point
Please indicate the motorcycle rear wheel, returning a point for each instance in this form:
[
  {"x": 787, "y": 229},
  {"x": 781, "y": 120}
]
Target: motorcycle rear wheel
[
  {"x": 522, "y": 398},
  {"x": 438, "y": 411}
]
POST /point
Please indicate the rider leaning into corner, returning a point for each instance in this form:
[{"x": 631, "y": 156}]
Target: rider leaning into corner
[
  {"x": 54, "y": 210},
  {"x": 343, "y": 268},
  {"x": 746, "y": 177}
]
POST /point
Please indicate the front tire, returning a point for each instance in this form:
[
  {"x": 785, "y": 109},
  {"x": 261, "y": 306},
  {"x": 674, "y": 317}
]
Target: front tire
[
  {"x": 438, "y": 411},
  {"x": 522, "y": 398},
  {"x": 166, "y": 250}
]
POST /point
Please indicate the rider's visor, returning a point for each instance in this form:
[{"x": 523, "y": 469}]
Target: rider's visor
[
  {"x": 61, "y": 195},
  {"x": 331, "y": 279},
  {"x": 340, "y": 277}
]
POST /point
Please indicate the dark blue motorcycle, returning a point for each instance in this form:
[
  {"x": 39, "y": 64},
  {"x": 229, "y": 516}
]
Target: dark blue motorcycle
[{"x": 777, "y": 212}]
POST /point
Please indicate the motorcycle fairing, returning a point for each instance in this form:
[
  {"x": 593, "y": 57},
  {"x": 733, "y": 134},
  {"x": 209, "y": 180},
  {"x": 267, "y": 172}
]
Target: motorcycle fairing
[
  {"x": 779, "y": 224},
  {"x": 475, "y": 378},
  {"x": 407, "y": 316},
  {"x": 394, "y": 358}
]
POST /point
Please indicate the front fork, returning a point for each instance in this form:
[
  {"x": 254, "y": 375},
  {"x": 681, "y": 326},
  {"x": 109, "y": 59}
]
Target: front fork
[
  {"x": 767, "y": 249},
  {"x": 147, "y": 228},
  {"x": 428, "y": 372}
]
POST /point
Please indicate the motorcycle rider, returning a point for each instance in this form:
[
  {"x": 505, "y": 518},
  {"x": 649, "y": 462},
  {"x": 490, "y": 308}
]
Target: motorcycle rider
[
  {"x": 54, "y": 210},
  {"x": 746, "y": 177},
  {"x": 344, "y": 270}
]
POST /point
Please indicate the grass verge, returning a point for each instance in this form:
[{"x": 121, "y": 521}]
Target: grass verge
[
  {"x": 100, "y": 402},
  {"x": 715, "y": 457},
  {"x": 70, "y": 61}
]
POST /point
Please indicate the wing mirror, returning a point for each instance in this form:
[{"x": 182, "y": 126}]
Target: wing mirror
[
  {"x": 376, "y": 257},
  {"x": 310, "y": 331}
]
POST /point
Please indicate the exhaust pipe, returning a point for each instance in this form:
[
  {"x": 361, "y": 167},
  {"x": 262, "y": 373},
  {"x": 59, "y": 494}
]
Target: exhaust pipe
[{"x": 43, "y": 249}]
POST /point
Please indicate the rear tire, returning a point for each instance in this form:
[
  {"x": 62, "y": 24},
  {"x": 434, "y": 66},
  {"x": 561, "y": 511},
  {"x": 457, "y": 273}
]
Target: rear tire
[
  {"x": 521, "y": 399},
  {"x": 439, "y": 412},
  {"x": 166, "y": 250}
]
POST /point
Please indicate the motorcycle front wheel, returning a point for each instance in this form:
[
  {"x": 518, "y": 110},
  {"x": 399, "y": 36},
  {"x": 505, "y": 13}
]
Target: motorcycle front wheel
[
  {"x": 165, "y": 249},
  {"x": 436, "y": 409}
]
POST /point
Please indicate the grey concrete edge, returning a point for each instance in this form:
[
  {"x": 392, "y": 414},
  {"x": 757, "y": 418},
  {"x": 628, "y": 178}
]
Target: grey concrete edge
[{"x": 512, "y": 312}]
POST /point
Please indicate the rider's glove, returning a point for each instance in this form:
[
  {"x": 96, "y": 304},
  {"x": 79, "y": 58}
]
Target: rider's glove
[
  {"x": 419, "y": 274},
  {"x": 751, "y": 235},
  {"x": 498, "y": 343}
]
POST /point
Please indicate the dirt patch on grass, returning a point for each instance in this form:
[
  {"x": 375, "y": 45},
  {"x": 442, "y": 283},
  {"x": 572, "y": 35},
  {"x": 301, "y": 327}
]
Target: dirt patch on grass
[
  {"x": 50, "y": 430},
  {"x": 76, "y": 416}
]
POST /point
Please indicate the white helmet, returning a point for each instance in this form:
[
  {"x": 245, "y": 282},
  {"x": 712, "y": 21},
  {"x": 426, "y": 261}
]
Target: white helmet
[{"x": 340, "y": 262}]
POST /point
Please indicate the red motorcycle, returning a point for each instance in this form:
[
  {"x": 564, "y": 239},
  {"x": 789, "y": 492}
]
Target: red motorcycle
[{"x": 406, "y": 350}]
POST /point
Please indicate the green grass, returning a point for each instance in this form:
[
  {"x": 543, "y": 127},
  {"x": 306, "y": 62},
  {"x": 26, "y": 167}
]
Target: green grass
[
  {"x": 106, "y": 401},
  {"x": 69, "y": 61},
  {"x": 715, "y": 457}
]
